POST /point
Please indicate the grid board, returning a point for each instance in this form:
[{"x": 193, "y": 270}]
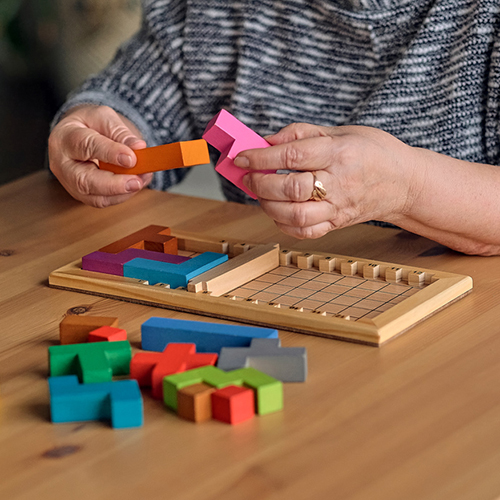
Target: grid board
[
  {"x": 352, "y": 297},
  {"x": 347, "y": 301}
]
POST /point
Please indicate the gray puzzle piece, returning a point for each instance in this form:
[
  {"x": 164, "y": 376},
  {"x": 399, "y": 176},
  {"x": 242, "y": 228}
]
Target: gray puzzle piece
[{"x": 288, "y": 364}]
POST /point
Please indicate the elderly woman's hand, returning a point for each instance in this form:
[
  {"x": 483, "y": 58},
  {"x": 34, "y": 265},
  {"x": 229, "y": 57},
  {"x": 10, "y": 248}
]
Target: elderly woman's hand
[{"x": 340, "y": 176}]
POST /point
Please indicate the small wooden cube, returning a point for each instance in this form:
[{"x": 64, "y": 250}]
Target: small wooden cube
[
  {"x": 285, "y": 258},
  {"x": 416, "y": 277},
  {"x": 194, "y": 402},
  {"x": 326, "y": 264},
  {"x": 349, "y": 267},
  {"x": 394, "y": 274},
  {"x": 371, "y": 271},
  {"x": 233, "y": 404},
  {"x": 305, "y": 261}
]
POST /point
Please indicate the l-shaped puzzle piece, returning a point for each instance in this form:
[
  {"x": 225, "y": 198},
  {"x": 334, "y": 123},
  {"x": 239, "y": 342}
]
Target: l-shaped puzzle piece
[
  {"x": 120, "y": 401},
  {"x": 230, "y": 136},
  {"x": 288, "y": 364},
  {"x": 165, "y": 157}
]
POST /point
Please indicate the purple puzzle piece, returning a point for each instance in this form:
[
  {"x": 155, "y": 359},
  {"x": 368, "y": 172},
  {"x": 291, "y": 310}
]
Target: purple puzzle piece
[
  {"x": 227, "y": 134},
  {"x": 111, "y": 263}
]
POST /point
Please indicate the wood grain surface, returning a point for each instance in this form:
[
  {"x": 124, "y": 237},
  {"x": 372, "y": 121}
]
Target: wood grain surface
[{"x": 418, "y": 418}]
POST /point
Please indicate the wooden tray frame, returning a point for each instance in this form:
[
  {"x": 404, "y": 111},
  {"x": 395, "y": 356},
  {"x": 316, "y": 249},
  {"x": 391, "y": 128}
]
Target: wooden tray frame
[{"x": 440, "y": 290}]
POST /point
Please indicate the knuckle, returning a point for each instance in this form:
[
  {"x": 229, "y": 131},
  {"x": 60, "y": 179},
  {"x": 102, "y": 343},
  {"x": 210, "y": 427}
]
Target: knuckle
[
  {"x": 82, "y": 183},
  {"x": 293, "y": 188},
  {"x": 101, "y": 202},
  {"x": 292, "y": 157},
  {"x": 299, "y": 216}
]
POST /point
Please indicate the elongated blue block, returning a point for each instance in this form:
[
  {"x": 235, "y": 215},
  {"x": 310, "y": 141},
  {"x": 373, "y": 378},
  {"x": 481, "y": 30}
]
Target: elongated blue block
[
  {"x": 120, "y": 401},
  {"x": 208, "y": 337},
  {"x": 176, "y": 275}
]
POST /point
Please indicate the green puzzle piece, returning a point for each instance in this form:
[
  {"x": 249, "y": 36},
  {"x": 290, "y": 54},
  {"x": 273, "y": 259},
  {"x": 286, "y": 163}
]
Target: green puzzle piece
[
  {"x": 92, "y": 362},
  {"x": 268, "y": 390}
]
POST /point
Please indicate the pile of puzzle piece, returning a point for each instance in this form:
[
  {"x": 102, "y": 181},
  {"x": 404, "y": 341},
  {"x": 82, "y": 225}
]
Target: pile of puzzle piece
[{"x": 200, "y": 370}]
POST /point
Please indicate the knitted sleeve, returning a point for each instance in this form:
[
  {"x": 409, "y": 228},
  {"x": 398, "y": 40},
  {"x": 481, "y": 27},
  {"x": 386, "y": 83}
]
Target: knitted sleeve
[{"x": 144, "y": 83}]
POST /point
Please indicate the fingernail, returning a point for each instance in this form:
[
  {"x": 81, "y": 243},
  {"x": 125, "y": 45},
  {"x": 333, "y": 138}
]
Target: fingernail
[
  {"x": 133, "y": 185},
  {"x": 125, "y": 160},
  {"x": 242, "y": 162}
]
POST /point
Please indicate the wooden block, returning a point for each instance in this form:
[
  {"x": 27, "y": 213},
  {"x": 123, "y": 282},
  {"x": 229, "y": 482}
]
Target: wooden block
[
  {"x": 194, "y": 402},
  {"x": 233, "y": 404},
  {"x": 107, "y": 334},
  {"x": 288, "y": 364},
  {"x": 239, "y": 248},
  {"x": 112, "y": 263},
  {"x": 371, "y": 270},
  {"x": 349, "y": 267},
  {"x": 394, "y": 274},
  {"x": 326, "y": 264},
  {"x": 230, "y": 136},
  {"x": 91, "y": 362},
  {"x": 268, "y": 391},
  {"x": 149, "y": 368},
  {"x": 285, "y": 258},
  {"x": 160, "y": 243},
  {"x": 165, "y": 157},
  {"x": 416, "y": 277},
  {"x": 120, "y": 402},
  {"x": 201, "y": 245},
  {"x": 75, "y": 329},
  {"x": 176, "y": 275},
  {"x": 237, "y": 271},
  {"x": 209, "y": 337},
  {"x": 136, "y": 240},
  {"x": 305, "y": 261}
]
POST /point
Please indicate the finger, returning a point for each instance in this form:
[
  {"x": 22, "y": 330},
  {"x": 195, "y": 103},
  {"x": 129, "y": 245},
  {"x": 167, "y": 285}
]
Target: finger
[
  {"x": 303, "y": 154},
  {"x": 295, "y": 186},
  {"x": 310, "y": 232},
  {"x": 109, "y": 123},
  {"x": 296, "y": 131},
  {"x": 299, "y": 215},
  {"x": 85, "y": 144},
  {"x": 87, "y": 180}
]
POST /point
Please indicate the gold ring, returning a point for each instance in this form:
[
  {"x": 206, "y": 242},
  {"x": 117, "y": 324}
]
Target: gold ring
[{"x": 319, "y": 191}]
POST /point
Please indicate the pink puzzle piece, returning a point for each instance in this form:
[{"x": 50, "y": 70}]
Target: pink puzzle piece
[{"x": 228, "y": 135}]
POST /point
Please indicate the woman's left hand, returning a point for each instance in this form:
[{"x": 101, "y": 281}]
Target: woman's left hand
[{"x": 367, "y": 174}]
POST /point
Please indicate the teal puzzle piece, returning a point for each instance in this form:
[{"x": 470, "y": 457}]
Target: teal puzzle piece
[
  {"x": 120, "y": 401},
  {"x": 92, "y": 362},
  {"x": 268, "y": 390},
  {"x": 176, "y": 275}
]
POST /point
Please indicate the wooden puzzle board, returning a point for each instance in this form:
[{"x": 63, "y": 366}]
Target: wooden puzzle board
[{"x": 321, "y": 294}]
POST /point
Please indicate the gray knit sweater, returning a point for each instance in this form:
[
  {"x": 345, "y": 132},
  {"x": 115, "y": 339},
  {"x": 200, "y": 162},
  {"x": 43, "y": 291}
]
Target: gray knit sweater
[{"x": 426, "y": 71}]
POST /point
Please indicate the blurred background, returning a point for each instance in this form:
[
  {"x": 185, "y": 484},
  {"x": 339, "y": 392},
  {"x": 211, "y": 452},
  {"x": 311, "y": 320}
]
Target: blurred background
[{"x": 47, "y": 48}]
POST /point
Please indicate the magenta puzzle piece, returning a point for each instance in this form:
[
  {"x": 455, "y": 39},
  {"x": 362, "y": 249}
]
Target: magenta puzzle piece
[
  {"x": 228, "y": 135},
  {"x": 111, "y": 263}
]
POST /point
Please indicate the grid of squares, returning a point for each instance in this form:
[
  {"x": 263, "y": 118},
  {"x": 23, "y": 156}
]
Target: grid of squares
[{"x": 331, "y": 293}]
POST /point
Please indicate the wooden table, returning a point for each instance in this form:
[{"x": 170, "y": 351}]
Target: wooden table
[{"x": 418, "y": 418}]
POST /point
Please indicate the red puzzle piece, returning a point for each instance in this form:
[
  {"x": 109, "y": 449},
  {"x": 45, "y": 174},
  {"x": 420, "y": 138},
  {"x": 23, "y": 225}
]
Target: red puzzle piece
[
  {"x": 107, "y": 333},
  {"x": 149, "y": 368}
]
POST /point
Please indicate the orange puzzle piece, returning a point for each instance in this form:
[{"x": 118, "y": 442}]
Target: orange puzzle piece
[
  {"x": 166, "y": 157},
  {"x": 154, "y": 238}
]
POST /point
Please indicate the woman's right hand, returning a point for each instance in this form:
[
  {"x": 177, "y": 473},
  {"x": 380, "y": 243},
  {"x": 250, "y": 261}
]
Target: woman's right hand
[{"x": 88, "y": 134}]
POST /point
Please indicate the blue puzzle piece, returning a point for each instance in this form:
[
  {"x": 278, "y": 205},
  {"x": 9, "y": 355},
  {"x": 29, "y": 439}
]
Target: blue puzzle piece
[
  {"x": 288, "y": 364},
  {"x": 120, "y": 401},
  {"x": 176, "y": 275},
  {"x": 208, "y": 337}
]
